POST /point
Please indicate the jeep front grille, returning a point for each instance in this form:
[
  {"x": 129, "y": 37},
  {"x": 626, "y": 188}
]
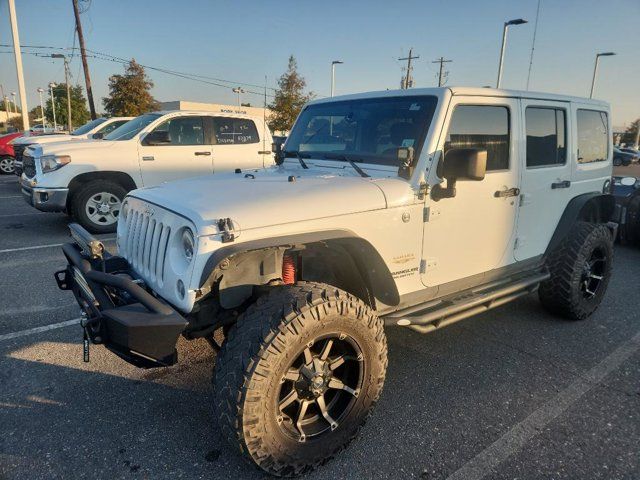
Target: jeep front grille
[
  {"x": 29, "y": 166},
  {"x": 145, "y": 244}
]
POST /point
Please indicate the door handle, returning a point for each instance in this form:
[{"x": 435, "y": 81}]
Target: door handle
[
  {"x": 509, "y": 192},
  {"x": 202, "y": 153},
  {"x": 563, "y": 184}
]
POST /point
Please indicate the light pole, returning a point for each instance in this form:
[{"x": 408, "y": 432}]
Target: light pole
[
  {"x": 53, "y": 106},
  {"x": 595, "y": 69},
  {"x": 333, "y": 74},
  {"x": 238, "y": 90},
  {"x": 517, "y": 21},
  {"x": 18, "y": 58},
  {"x": 66, "y": 79},
  {"x": 40, "y": 91},
  {"x": 15, "y": 105}
]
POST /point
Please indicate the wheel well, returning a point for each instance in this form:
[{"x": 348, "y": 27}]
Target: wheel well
[
  {"x": 121, "y": 178},
  {"x": 351, "y": 264}
]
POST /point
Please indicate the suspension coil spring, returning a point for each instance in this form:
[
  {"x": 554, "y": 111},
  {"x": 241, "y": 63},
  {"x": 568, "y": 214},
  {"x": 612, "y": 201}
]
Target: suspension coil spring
[{"x": 288, "y": 270}]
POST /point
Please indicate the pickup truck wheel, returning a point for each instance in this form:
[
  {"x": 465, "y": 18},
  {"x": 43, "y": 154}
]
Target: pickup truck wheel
[
  {"x": 580, "y": 271},
  {"x": 298, "y": 376},
  {"x": 97, "y": 205},
  {"x": 6, "y": 165}
]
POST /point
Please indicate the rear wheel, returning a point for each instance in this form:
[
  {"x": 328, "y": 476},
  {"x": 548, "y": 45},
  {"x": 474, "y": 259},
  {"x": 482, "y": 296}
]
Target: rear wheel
[
  {"x": 96, "y": 206},
  {"x": 298, "y": 376},
  {"x": 580, "y": 271},
  {"x": 6, "y": 165}
]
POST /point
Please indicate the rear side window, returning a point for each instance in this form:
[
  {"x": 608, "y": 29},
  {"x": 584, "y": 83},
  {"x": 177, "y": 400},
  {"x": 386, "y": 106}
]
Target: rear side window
[
  {"x": 485, "y": 127},
  {"x": 111, "y": 127},
  {"x": 593, "y": 136},
  {"x": 234, "y": 131},
  {"x": 546, "y": 137}
]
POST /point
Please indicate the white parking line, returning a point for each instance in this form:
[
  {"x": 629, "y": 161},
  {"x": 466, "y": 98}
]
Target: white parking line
[
  {"x": 20, "y": 214},
  {"x": 10, "y": 196},
  {"x": 36, "y": 247},
  {"x": 517, "y": 437},
  {"x": 45, "y": 328}
]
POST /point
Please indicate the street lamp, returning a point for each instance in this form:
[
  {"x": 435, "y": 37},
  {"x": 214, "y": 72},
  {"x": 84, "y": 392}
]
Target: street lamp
[
  {"x": 517, "y": 21},
  {"x": 53, "y": 106},
  {"x": 66, "y": 79},
  {"x": 40, "y": 91},
  {"x": 595, "y": 69},
  {"x": 238, "y": 90},
  {"x": 333, "y": 74},
  {"x": 15, "y": 105}
]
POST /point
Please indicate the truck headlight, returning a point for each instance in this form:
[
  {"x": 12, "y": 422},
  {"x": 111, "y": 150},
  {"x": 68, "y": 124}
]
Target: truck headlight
[
  {"x": 51, "y": 163},
  {"x": 188, "y": 244}
]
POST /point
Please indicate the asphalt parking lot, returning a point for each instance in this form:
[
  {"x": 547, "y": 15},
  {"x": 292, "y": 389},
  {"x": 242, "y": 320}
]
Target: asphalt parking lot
[{"x": 514, "y": 393}]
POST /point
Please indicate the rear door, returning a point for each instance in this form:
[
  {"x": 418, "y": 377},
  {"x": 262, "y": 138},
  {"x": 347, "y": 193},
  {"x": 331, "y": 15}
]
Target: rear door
[
  {"x": 236, "y": 144},
  {"x": 545, "y": 185},
  {"x": 186, "y": 154}
]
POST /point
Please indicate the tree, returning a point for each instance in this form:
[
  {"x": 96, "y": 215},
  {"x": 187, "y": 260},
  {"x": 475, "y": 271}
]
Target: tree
[
  {"x": 629, "y": 137},
  {"x": 79, "y": 113},
  {"x": 129, "y": 94},
  {"x": 289, "y": 99}
]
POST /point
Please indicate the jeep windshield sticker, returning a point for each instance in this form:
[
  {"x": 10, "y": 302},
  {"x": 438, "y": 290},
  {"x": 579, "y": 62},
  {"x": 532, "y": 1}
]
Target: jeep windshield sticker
[
  {"x": 408, "y": 142},
  {"x": 414, "y": 106}
]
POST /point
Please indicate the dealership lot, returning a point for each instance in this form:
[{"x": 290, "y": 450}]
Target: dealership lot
[{"x": 513, "y": 393}]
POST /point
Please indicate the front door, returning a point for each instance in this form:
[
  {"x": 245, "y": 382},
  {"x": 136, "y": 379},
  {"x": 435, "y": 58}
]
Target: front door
[
  {"x": 546, "y": 175},
  {"x": 236, "y": 144},
  {"x": 184, "y": 155},
  {"x": 473, "y": 232}
]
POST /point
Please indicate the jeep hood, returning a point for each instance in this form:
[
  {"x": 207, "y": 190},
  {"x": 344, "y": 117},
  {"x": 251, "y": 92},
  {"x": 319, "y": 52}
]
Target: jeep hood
[{"x": 264, "y": 198}]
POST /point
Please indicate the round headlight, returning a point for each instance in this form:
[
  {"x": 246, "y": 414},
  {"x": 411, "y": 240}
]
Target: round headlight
[{"x": 188, "y": 244}]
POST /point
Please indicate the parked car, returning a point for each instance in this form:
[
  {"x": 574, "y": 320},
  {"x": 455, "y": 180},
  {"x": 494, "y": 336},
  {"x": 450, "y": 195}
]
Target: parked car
[
  {"x": 621, "y": 158},
  {"x": 398, "y": 209},
  {"x": 626, "y": 191},
  {"x": 95, "y": 129},
  {"x": 633, "y": 151},
  {"x": 7, "y": 155},
  {"x": 40, "y": 128},
  {"x": 90, "y": 179}
]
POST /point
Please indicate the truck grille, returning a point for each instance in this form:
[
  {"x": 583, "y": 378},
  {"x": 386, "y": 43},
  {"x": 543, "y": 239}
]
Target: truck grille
[
  {"x": 145, "y": 245},
  {"x": 29, "y": 166}
]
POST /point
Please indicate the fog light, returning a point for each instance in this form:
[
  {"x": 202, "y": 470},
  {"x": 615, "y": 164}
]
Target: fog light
[{"x": 180, "y": 286}]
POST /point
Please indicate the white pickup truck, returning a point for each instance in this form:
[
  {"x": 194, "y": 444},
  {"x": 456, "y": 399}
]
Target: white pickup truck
[
  {"x": 95, "y": 129},
  {"x": 89, "y": 179}
]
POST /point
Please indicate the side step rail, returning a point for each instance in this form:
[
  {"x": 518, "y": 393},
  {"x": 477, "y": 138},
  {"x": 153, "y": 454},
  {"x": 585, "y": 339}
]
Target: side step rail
[{"x": 438, "y": 315}]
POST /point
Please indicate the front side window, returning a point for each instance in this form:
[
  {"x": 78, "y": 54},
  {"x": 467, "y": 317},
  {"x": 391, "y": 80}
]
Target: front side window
[
  {"x": 234, "y": 131},
  {"x": 130, "y": 129},
  {"x": 369, "y": 130},
  {"x": 546, "y": 138},
  {"x": 593, "y": 136},
  {"x": 485, "y": 127},
  {"x": 87, "y": 127},
  {"x": 183, "y": 130}
]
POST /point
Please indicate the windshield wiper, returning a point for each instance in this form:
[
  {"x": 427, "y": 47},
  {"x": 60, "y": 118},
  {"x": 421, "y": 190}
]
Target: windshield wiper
[
  {"x": 344, "y": 158},
  {"x": 298, "y": 155}
]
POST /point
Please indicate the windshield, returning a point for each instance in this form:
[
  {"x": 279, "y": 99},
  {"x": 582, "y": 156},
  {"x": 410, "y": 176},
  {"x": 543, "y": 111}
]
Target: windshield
[
  {"x": 366, "y": 130},
  {"x": 87, "y": 127},
  {"x": 132, "y": 127}
]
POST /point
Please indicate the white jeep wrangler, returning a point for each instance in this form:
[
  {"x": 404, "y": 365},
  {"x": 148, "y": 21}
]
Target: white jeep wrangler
[
  {"x": 407, "y": 209},
  {"x": 90, "y": 178}
]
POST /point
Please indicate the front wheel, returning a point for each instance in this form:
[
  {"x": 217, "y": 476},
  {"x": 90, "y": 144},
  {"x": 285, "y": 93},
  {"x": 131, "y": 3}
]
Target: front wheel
[
  {"x": 96, "y": 206},
  {"x": 580, "y": 270},
  {"x": 6, "y": 165},
  {"x": 298, "y": 376}
]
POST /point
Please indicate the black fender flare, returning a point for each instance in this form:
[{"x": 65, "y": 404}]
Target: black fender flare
[
  {"x": 592, "y": 206},
  {"x": 368, "y": 260}
]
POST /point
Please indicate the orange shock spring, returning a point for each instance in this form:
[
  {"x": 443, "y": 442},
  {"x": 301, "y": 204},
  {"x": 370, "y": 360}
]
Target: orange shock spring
[{"x": 288, "y": 270}]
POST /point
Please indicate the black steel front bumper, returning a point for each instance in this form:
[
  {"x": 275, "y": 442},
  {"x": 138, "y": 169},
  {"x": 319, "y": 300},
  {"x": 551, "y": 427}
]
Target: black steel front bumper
[{"x": 120, "y": 312}]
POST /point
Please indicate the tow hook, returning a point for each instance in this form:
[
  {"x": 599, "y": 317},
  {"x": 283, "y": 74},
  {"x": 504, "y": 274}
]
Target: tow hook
[{"x": 86, "y": 323}]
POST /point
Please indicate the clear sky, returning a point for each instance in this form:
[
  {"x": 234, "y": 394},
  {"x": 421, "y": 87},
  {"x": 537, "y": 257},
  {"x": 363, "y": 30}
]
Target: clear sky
[{"x": 244, "y": 41}]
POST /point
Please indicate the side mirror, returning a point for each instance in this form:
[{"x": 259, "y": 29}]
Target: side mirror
[
  {"x": 405, "y": 162},
  {"x": 157, "y": 138},
  {"x": 628, "y": 181},
  {"x": 276, "y": 148},
  {"x": 459, "y": 164},
  {"x": 98, "y": 136}
]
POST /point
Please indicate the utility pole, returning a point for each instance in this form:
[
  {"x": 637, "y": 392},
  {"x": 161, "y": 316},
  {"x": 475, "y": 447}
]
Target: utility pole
[
  {"x": 53, "y": 107},
  {"x": 407, "y": 81},
  {"x": 44, "y": 122},
  {"x": 441, "y": 61},
  {"x": 66, "y": 79},
  {"x": 85, "y": 65},
  {"x": 18, "y": 56}
]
